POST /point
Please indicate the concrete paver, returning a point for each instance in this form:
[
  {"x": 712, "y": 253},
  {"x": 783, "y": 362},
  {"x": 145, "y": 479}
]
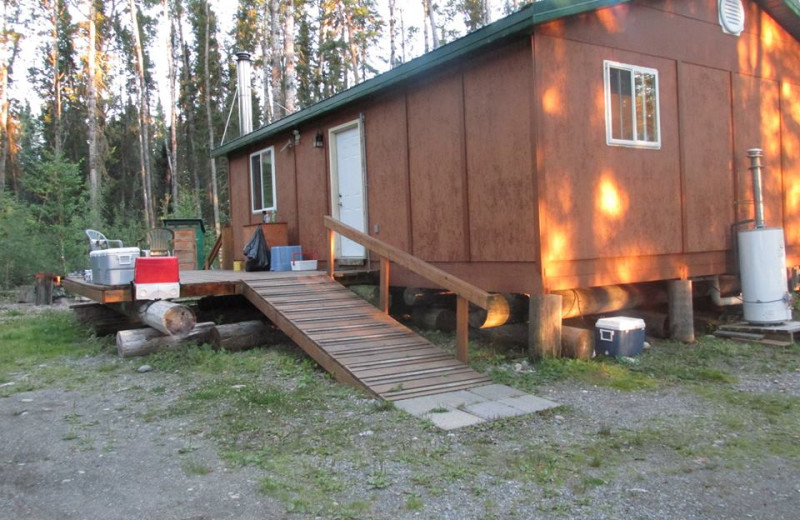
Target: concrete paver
[{"x": 453, "y": 419}]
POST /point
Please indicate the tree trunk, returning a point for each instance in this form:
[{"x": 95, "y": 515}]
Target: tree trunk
[
  {"x": 94, "y": 159},
  {"x": 190, "y": 116},
  {"x": 144, "y": 120},
  {"x": 392, "y": 39},
  {"x": 432, "y": 21},
  {"x": 210, "y": 121},
  {"x": 141, "y": 342},
  {"x": 290, "y": 76},
  {"x": 275, "y": 57},
  {"x": 351, "y": 42},
  {"x": 173, "y": 108},
  {"x": 266, "y": 77},
  {"x": 245, "y": 335},
  {"x": 57, "y": 101}
]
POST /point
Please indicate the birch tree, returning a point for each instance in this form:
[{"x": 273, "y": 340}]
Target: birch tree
[
  {"x": 210, "y": 122},
  {"x": 290, "y": 78},
  {"x": 144, "y": 119}
]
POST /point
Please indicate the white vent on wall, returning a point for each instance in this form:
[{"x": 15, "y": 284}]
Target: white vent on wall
[{"x": 731, "y": 16}]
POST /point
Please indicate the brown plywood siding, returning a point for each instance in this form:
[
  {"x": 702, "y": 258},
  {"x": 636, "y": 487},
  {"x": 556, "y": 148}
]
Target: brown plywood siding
[
  {"x": 757, "y": 124},
  {"x": 763, "y": 50},
  {"x": 790, "y": 134},
  {"x": 705, "y": 97},
  {"x": 387, "y": 171},
  {"x": 239, "y": 179},
  {"x": 286, "y": 187},
  {"x": 502, "y": 201},
  {"x": 312, "y": 194},
  {"x": 602, "y": 201},
  {"x": 436, "y": 166}
]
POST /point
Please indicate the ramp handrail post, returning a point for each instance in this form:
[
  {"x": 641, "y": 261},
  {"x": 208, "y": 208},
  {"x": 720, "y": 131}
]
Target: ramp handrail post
[
  {"x": 331, "y": 251},
  {"x": 462, "y": 329},
  {"x": 384, "y": 284}
]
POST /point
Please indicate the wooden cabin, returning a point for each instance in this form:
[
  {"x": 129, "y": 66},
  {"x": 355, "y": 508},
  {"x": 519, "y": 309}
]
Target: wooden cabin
[{"x": 572, "y": 144}]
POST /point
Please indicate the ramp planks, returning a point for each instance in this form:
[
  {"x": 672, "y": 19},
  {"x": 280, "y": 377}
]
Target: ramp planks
[{"x": 354, "y": 341}]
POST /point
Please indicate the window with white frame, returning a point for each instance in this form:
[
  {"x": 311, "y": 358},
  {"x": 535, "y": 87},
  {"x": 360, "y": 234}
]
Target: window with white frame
[
  {"x": 262, "y": 180},
  {"x": 632, "y": 113}
]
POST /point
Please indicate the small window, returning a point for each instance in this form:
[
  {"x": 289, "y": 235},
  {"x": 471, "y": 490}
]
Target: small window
[
  {"x": 631, "y": 106},
  {"x": 262, "y": 180}
]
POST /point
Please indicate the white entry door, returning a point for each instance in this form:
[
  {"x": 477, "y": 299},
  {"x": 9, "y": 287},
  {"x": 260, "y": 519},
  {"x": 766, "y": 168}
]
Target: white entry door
[{"x": 347, "y": 186}]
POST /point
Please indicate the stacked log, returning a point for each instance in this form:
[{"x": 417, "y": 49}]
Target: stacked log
[
  {"x": 235, "y": 337},
  {"x": 141, "y": 342}
]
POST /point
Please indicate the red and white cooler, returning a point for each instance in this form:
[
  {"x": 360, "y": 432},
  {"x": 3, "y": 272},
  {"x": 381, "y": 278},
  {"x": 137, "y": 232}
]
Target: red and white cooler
[{"x": 156, "y": 278}]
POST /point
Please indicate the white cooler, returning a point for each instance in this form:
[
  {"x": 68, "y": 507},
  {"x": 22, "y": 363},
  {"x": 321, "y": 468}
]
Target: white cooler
[{"x": 113, "y": 266}]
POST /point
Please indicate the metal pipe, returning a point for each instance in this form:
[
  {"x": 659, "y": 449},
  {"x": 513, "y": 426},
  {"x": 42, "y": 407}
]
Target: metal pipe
[
  {"x": 243, "y": 87},
  {"x": 755, "y": 155},
  {"x": 716, "y": 294}
]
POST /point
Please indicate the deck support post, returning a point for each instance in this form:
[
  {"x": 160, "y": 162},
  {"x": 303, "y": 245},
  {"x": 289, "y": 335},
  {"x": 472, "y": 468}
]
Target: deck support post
[
  {"x": 462, "y": 330},
  {"x": 331, "y": 252},
  {"x": 384, "y": 285},
  {"x": 681, "y": 312},
  {"x": 544, "y": 326}
]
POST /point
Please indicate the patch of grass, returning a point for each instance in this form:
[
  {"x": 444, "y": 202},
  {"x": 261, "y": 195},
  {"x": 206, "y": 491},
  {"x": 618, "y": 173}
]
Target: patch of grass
[
  {"x": 69, "y": 436},
  {"x": 205, "y": 360},
  {"x": 194, "y": 468},
  {"x": 414, "y": 503},
  {"x": 608, "y": 373},
  {"x": 48, "y": 337}
]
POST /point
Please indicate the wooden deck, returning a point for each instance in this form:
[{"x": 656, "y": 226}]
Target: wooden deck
[{"x": 354, "y": 341}]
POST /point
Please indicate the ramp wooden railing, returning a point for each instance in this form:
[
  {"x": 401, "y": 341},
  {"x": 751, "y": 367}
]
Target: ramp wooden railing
[{"x": 495, "y": 305}]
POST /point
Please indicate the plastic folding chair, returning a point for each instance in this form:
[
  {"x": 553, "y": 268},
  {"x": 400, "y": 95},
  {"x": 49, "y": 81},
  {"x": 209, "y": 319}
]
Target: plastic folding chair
[{"x": 98, "y": 241}]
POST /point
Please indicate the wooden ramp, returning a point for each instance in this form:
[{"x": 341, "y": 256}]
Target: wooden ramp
[{"x": 354, "y": 341}]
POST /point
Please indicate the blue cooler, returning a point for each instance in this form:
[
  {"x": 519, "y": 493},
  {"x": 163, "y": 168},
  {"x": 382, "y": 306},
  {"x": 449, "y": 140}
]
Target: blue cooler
[
  {"x": 618, "y": 336},
  {"x": 280, "y": 257}
]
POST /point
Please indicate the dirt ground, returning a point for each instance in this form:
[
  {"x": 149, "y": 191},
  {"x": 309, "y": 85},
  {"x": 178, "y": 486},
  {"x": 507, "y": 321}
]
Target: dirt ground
[{"x": 103, "y": 441}]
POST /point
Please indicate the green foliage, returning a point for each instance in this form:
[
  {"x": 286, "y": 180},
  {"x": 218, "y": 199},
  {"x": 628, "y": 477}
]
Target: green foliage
[
  {"x": 21, "y": 253},
  {"x": 59, "y": 210}
]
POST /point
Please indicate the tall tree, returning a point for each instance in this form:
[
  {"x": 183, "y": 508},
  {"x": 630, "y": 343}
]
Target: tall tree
[
  {"x": 431, "y": 20},
  {"x": 189, "y": 92},
  {"x": 392, "y": 35},
  {"x": 144, "y": 118},
  {"x": 275, "y": 58},
  {"x": 93, "y": 80},
  {"x": 9, "y": 46},
  {"x": 172, "y": 151},
  {"x": 210, "y": 120},
  {"x": 266, "y": 60},
  {"x": 290, "y": 77}
]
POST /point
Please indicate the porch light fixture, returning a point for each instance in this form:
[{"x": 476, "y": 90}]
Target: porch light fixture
[
  {"x": 319, "y": 140},
  {"x": 296, "y": 134}
]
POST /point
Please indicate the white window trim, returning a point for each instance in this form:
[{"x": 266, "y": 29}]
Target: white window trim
[
  {"x": 633, "y": 143},
  {"x": 274, "y": 206}
]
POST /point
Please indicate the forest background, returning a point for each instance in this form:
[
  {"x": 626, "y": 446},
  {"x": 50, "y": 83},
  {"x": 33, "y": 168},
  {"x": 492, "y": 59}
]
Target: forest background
[{"x": 109, "y": 108}]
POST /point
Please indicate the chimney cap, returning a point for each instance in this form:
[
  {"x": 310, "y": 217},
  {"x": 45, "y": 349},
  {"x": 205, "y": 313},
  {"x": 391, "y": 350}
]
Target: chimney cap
[{"x": 243, "y": 56}]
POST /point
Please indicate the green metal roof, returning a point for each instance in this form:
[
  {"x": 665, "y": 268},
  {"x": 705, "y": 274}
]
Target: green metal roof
[
  {"x": 786, "y": 12},
  {"x": 517, "y": 23}
]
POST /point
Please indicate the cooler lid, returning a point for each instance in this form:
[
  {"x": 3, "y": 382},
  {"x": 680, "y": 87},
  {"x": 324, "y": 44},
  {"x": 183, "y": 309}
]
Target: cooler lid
[
  {"x": 116, "y": 251},
  {"x": 620, "y": 323}
]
